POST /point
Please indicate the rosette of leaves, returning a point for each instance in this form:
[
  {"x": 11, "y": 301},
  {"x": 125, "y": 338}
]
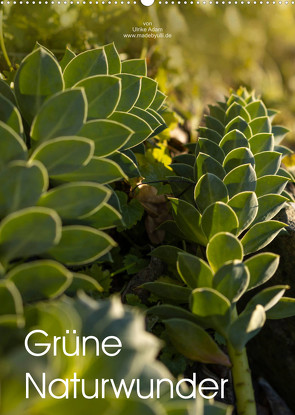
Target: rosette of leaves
[
  {"x": 136, "y": 360},
  {"x": 229, "y": 191},
  {"x": 67, "y": 131}
]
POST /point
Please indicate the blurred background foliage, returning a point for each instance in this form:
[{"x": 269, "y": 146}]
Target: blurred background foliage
[{"x": 213, "y": 48}]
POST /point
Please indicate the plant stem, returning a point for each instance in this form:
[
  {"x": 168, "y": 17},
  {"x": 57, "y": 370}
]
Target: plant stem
[
  {"x": 2, "y": 44},
  {"x": 245, "y": 399}
]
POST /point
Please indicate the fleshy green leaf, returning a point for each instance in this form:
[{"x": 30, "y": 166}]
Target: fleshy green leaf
[
  {"x": 223, "y": 247},
  {"x": 12, "y": 146},
  {"x": 207, "y": 164},
  {"x": 188, "y": 220},
  {"x": 245, "y": 206},
  {"x": 21, "y": 185},
  {"x": 141, "y": 128},
  {"x": 194, "y": 271},
  {"x": 38, "y": 77},
  {"x": 81, "y": 245},
  {"x": 194, "y": 342},
  {"x": 219, "y": 217},
  {"x": 135, "y": 67},
  {"x": 75, "y": 200},
  {"x": 113, "y": 59},
  {"x": 246, "y": 326},
  {"x": 260, "y": 235},
  {"x": 267, "y": 163},
  {"x": 268, "y": 298},
  {"x": 86, "y": 64},
  {"x": 241, "y": 125},
  {"x": 131, "y": 85},
  {"x": 214, "y": 124},
  {"x": 269, "y": 206},
  {"x": 240, "y": 179},
  {"x": 103, "y": 95},
  {"x": 28, "y": 232},
  {"x": 261, "y": 142},
  {"x": 283, "y": 309},
  {"x": 10, "y": 115},
  {"x": 232, "y": 140},
  {"x": 211, "y": 135},
  {"x": 270, "y": 184},
  {"x": 237, "y": 157},
  {"x": 232, "y": 280},
  {"x": 261, "y": 267},
  {"x": 256, "y": 109},
  {"x": 147, "y": 93},
  {"x": 260, "y": 125},
  {"x": 63, "y": 114},
  {"x": 212, "y": 308},
  {"x": 167, "y": 253},
  {"x": 207, "y": 146},
  {"x": 40, "y": 280},
  {"x": 208, "y": 190},
  {"x": 171, "y": 292},
  {"x": 64, "y": 154},
  {"x": 108, "y": 136},
  {"x": 11, "y": 307},
  {"x": 236, "y": 110}
]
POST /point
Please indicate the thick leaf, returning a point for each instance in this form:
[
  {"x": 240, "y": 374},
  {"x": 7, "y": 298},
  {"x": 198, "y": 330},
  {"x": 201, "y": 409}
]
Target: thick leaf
[
  {"x": 149, "y": 118},
  {"x": 158, "y": 101},
  {"x": 147, "y": 93},
  {"x": 268, "y": 298},
  {"x": 245, "y": 206},
  {"x": 237, "y": 157},
  {"x": 108, "y": 136},
  {"x": 260, "y": 125},
  {"x": 270, "y": 184},
  {"x": 113, "y": 59},
  {"x": 188, "y": 159},
  {"x": 240, "y": 179},
  {"x": 64, "y": 154},
  {"x": 239, "y": 124},
  {"x": 267, "y": 163},
  {"x": 135, "y": 67},
  {"x": 86, "y": 64},
  {"x": 103, "y": 94},
  {"x": 10, "y": 115},
  {"x": 269, "y": 206},
  {"x": 167, "y": 253},
  {"x": 21, "y": 185},
  {"x": 219, "y": 217},
  {"x": 29, "y": 232},
  {"x": 211, "y": 135},
  {"x": 207, "y": 146},
  {"x": 232, "y": 280},
  {"x": 236, "y": 110},
  {"x": 246, "y": 326},
  {"x": 83, "y": 282},
  {"x": 232, "y": 140},
  {"x": 11, "y": 307},
  {"x": 235, "y": 98},
  {"x": 217, "y": 112},
  {"x": 169, "y": 292},
  {"x": 261, "y": 142},
  {"x": 40, "y": 280},
  {"x": 260, "y": 235},
  {"x": 188, "y": 220},
  {"x": 168, "y": 311},
  {"x": 63, "y": 114},
  {"x": 106, "y": 217},
  {"x": 256, "y": 109},
  {"x": 38, "y": 77},
  {"x": 194, "y": 271},
  {"x": 207, "y": 164},
  {"x": 183, "y": 170},
  {"x": 214, "y": 124},
  {"x": 141, "y": 128},
  {"x": 7, "y": 92},
  {"x": 208, "y": 190},
  {"x": 223, "y": 247},
  {"x": 194, "y": 342},
  {"x": 75, "y": 200},
  {"x": 283, "y": 309},
  {"x": 68, "y": 56},
  {"x": 131, "y": 85},
  {"x": 12, "y": 146},
  {"x": 126, "y": 163},
  {"x": 212, "y": 308},
  {"x": 99, "y": 170},
  {"x": 261, "y": 267},
  {"x": 279, "y": 133},
  {"x": 81, "y": 245}
]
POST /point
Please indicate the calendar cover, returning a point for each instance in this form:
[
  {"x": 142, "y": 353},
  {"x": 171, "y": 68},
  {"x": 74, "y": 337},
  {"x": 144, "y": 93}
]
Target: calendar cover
[{"x": 147, "y": 222}]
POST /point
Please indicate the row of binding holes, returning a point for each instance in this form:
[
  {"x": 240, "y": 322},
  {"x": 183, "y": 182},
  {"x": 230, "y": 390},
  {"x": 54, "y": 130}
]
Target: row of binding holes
[{"x": 159, "y": 2}]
